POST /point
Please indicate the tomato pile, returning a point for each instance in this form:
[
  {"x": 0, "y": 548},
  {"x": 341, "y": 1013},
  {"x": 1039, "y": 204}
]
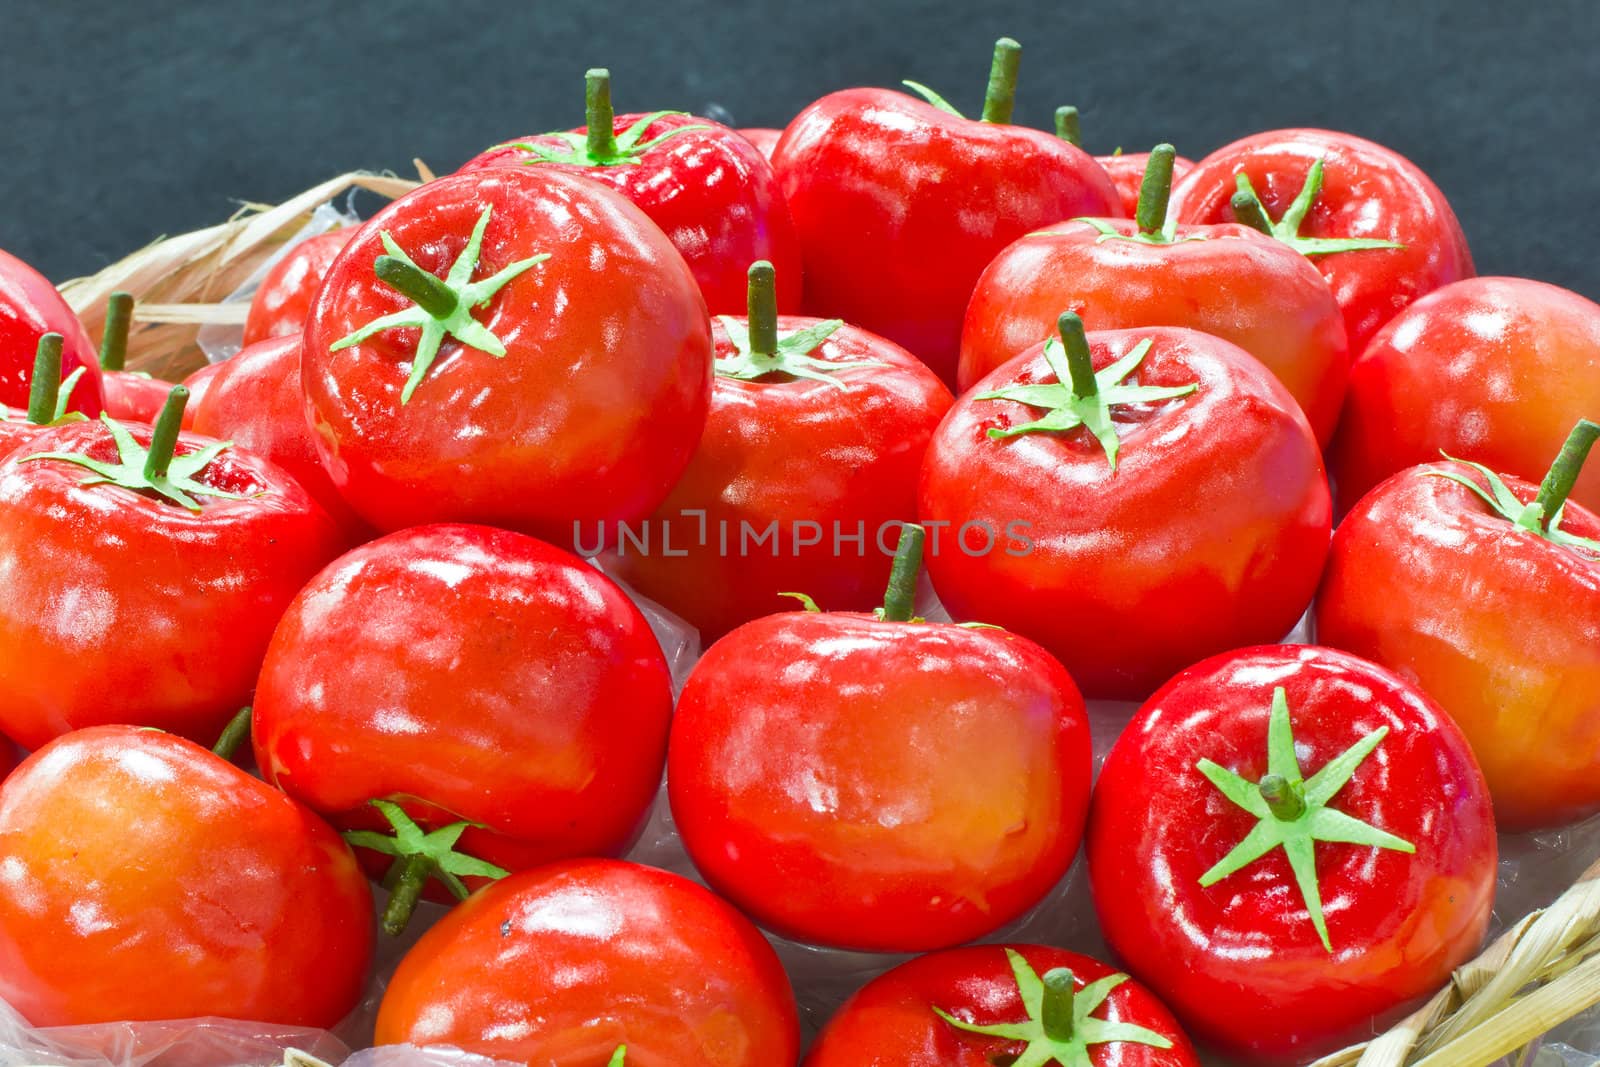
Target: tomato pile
[{"x": 1128, "y": 419}]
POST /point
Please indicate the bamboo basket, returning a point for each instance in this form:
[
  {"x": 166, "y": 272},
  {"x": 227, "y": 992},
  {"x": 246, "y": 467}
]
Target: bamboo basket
[{"x": 1542, "y": 971}]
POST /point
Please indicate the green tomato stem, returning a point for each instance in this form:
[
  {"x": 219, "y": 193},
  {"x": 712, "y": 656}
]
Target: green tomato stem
[
  {"x": 1068, "y": 128},
  {"x": 428, "y": 292},
  {"x": 236, "y": 733},
  {"x": 1247, "y": 211},
  {"x": 1155, "y": 190},
  {"x": 1056, "y": 1005},
  {"x": 45, "y": 386},
  {"x": 1001, "y": 96},
  {"x": 1563, "y": 474},
  {"x": 414, "y": 872},
  {"x": 761, "y": 308},
  {"x": 1076, "y": 345},
  {"x": 900, "y": 600},
  {"x": 1285, "y": 799},
  {"x": 164, "y": 441},
  {"x": 114, "y": 336},
  {"x": 599, "y": 117}
]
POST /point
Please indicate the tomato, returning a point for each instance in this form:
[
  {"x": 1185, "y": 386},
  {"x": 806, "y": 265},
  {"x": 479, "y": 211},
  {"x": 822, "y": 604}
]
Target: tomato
[
  {"x": 254, "y": 400},
  {"x": 29, "y": 308},
  {"x": 901, "y": 204},
  {"x": 48, "y": 398},
  {"x": 467, "y": 673},
  {"x": 198, "y": 383},
  {"x": 1291, "y": 846},
  {"x": 1223, "y": 280},
  {"x": 815, "y": 436},
  {"x": 764, "y": 139},
  {"x": 1126, "y": 170},
  {"x": 143, "y": 878},
  {"x": 934, "y": 1010},
  {"x": 284, "y": 298},
  {"x": 559, "y": 965},
  {"x": 821, "y": 773},
  {"x": 596, "y": 405},
  {"x": 1446, "y": 576},
  {"x": 1494, "y": 370},
  {"x": 10, "y": 756},
  {"x": 1193, "y": 518},
  {"x": 130, "y": 396},
  {"x": 710, "y": 190},
  {"x": 143, "y": 595},
  {"x": 1348, "y": 203}
]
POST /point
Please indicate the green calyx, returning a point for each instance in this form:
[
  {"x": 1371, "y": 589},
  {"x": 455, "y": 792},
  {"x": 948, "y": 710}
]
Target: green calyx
[
  {"x": 1061, "y": 1024},
  {"x": 1250, "y": 211},
  {"x": 1542, "y": 515},
  {"x": 999, "y": 98},
  {"x": 1293, "y": 810},
  {"x": 234, "y": 735},
  {"x": 900, "y": 599},
  {"x": 48, "y": 395},
  {"x": 418, "y": 857},
  {"x": 807, "y": 605},
  {"x": 600, "y": 145},
  {"x": 1081, "y": 396},
  {"x": 114, "y": 335},
  {"x": 441, "y": 307},
  {"x": 1150, "y": 215},
  {"x": 760, "y": 350},
  {"x": 156, "y": 468},
  {"x": 1068, "y": 126}
]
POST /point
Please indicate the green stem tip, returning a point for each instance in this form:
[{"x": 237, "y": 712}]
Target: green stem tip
[
  {"x": 1068, "y": 128},
  {"x": 1001, "y": 96},
  {"x": 45, "y": 387},
  {"x": 236, "y": 733},
  {"x": 761, "y": 308},
  {"x": 114, "y": 336},
  {"x": 900, "y": 600},
  {"x": 1056, "y": 1005},
  {"x": 1563, "y": 474},
  {"x": 1247, "y": 211},
  {"x": 427, "y": 291},
  {"x": 164, "y": 441},
  {"x": 1075, "y": 342},
  {"x": 1155, "y": 190},
  {"x": 411, "y": 876},
  {"x": 599, "y": 117},
  {"x": 1285, "y": 799}
]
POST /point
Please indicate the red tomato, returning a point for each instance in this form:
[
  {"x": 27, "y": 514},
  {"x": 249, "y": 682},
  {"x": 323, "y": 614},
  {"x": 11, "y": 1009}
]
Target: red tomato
[
  {"x": 1291, "y": 846},
  {"x": 254, "y": 400},
  {"x": 284, "y": 298},
  {"x": 197, "y": 383},
  {"x": 48, "y": 399},
  {"x": 475, "y": 674},
  {"x": 764, "y": 139},
  {"x": 145, "y": 601},
  {"x": 816, "y": 433},
  {"x": 822, "y": 774},
  {"x": 29, "y": 308},
  {"x": 1366, "y": 192},
  {"x": 559, "y": 965},
  {"x": 1223, "y": 280},
  {"x": 141, "y": 878},
  {"x": 710, "y": 190},
  {"x": 1126, "y": 170},
  {"x": 589, "y": 416},
  {"x": 1207, "y": 531},
  {"x": 1494, "y": 614},
  {"x": 1488, "y": 369},
  {"x": 901, "y": 204},
  {"x": 10, "y": 756},
  {"x": 130, "y": 396},
  {"x": 932, "y": 1011}
]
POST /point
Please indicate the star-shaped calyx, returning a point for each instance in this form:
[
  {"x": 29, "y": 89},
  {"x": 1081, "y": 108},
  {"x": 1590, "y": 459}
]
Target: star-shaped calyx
[
  {"x": 600, "y": 145},
  {"x": 1542, "y": 515},
  {"x": 1150, "y": 215},
  {"x": 760, "y": 350},
  {"x": 48, "y": 395},
  {"x": 441, "y": 306},
  {"x": 156, "y": 468},
  {"x": 1061, "y": 1024},
  {"x": 419, "y": 856},
  {"x": 1249, "y": 210},
  {"x": 1081, "y": 396},
  {"x": 1293, "y": 811}
]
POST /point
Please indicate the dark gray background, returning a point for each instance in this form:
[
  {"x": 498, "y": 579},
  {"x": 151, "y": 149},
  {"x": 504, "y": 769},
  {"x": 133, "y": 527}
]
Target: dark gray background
[{"x": 125, "y": 121}]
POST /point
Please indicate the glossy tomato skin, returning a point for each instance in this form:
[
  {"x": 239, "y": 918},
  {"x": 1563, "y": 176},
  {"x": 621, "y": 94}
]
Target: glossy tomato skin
[
  {"x": 29, "y": 308},
  {"x": 1211, "y": 533},
  {"x": 826, "y": 460},
  {"x": 1367, "y": 191},
  {"x": 1495, "y": 370},
  {"x": 198, "y": 382},
  {"x": 879, "y": 785},
  {"x": 254, "y": 399},
  {"x": 890, "y": 1022},
  {"x": 1498, "y": 625},
  {"x": 123, "y": 608},
  {"x": 134, "y": 397},
  {"x": 185, "y": 888},
  {"x": 468, "y": 673},
  {"x": 1126, "y": 170},
  {"x": 763, "y": 138},
  {"x": 899, "y": 207},
  {"x": 284, "y": 298},
  {"x": 1240, "y": 963},
  {"x": 710, "y": 191},
  {"x": 590, "y": 416},
  {"x": 601, "y": 953},
  {"x": 1228, "y": 281}
]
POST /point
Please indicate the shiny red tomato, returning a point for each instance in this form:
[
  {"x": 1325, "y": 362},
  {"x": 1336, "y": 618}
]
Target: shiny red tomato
[
  {"x": 1189, "y": 515},
  {"x": 29, "y": 308},
  {"x": 594, "y": 407},
  {"x": 468, "y": 673},
  {"x": 710, "y": 190},
  {"x": 130, "y": 396},
  {"x": 139, "y": 599},
  {"x": 994, "y": 1004},
  {"x": 1223, "y": 280},
  {"x": 284, "y": 298},
  {"x": 901, "y": 204},
  {"x": 1360, "y": 191},
  {"x": 764, "y": 139},
  {"x": 198, "y": 382},
  {"x": 884, "y": 784},
  {"x": 1126, "y": 170},
  {"x": 1494, "y": 370},
  {"x": 808, "y": 463},
  {"x": 1492, "y": 608},
  {"x": 141, "y": 877},
  {"x": 1291, "y": 846},
  {"x": 559, "y": 965}
]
